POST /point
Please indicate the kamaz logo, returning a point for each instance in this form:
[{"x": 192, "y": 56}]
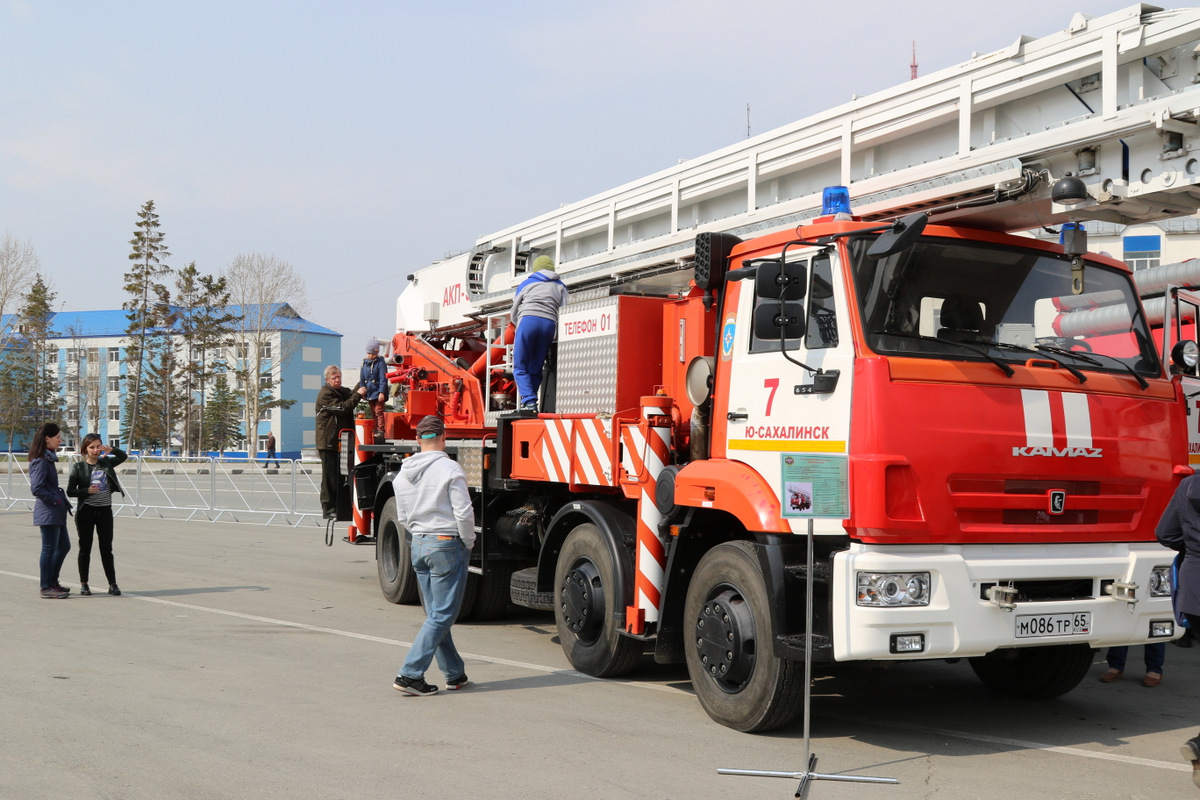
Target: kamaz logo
[{"x": 1060, "y": 452}]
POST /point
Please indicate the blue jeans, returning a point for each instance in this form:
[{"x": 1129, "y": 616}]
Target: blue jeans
[
  {"x": 441, "y": 567},
  {"x": 55, "y": 546},
  {"x": 530, "y": 346},
  {"x": 1155, "y": 656}
]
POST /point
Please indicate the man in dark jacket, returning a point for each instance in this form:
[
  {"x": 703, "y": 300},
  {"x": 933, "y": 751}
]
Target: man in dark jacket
[
  {"x": 335, "y": 411},
  {"x": 1179, "y": 529}
]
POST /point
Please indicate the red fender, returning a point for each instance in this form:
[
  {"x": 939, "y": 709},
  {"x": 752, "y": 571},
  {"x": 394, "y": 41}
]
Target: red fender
[{"x": 733, "y": 487}]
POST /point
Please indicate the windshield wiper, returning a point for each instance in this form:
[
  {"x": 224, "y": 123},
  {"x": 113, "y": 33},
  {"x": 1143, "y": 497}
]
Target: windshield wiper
[
  {"x": 1093, "y": 359},
  {"x": 1005, "y": 368},
  {"x": 1079, "y": 376}
]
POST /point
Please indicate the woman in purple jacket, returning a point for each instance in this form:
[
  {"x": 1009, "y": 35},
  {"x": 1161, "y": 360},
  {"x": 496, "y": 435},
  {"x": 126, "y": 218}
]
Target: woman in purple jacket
[{"x": 50, "y": 508}]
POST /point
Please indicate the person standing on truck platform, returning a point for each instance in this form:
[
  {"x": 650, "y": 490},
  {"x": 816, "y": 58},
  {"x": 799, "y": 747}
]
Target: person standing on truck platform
[
  {"x": 373, "y": 376},
  {"x": 535, "y": 313},
  {"x": 335, "y": 411},
  {"x": 433, "y": 504},
  {"x": 1179, "y": 529}
]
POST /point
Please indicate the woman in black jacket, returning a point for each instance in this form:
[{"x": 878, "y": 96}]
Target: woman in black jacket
[
  {"x": 1179, "y": 529},
  {"x": 93, "y": 480}
]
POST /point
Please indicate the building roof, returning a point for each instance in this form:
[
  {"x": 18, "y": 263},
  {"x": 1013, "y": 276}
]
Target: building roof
[{"x": 92, "y": 324}]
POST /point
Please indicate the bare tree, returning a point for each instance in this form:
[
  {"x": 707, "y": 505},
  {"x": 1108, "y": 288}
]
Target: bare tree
[
  {"x": 18, "y": 264},
  {"x": 268, "y": 296}
]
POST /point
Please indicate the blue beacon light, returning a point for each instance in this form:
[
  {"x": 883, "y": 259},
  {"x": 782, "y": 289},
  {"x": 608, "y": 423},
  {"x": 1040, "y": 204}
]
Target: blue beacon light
[{"x": 835, "y": 200}]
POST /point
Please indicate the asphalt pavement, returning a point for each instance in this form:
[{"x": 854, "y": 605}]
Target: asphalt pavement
[{"x": 246, "y": 661}]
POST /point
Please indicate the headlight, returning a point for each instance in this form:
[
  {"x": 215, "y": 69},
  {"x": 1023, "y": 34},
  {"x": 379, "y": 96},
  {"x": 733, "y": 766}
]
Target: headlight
[
  {"x": 893, "y": 589},
  {"x": 1160, "y": 582}
]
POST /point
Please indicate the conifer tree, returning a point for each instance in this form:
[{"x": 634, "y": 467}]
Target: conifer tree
[{"x": 144, "y": 310}]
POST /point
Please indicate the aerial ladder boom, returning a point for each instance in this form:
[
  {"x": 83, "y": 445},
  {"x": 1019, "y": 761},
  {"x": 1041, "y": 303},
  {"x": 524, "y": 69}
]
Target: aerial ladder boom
[{"x": 1112, "y": 100}]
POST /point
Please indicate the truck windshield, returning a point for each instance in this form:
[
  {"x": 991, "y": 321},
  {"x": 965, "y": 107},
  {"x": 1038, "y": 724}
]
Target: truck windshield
[{"x": 970, "y": 301}]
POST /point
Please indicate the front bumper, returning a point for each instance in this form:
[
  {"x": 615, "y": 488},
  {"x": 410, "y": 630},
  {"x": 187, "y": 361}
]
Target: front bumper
[{"x": 959, "y": 622}]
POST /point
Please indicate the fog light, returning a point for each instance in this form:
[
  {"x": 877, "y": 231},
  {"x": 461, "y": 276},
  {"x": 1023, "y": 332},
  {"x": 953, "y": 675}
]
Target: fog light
[
  {"x": 907, "y": 643},
  {"x": 1162, "y": 629},
  {"x": 1160, "y": 581},
  {"x": 880, "y": 589}
]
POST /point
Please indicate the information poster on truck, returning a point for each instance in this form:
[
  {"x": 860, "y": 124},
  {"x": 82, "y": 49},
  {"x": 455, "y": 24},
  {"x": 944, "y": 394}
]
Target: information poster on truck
[{"x": 815, "y": 485}]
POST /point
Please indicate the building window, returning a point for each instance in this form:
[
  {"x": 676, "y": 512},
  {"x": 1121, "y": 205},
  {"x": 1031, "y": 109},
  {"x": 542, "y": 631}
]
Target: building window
[
  {"x": 266, "y": 414},
  {"x": 243, "y": 351},
  {"x": 72, "y": 385},
  {"x": 73, "y": 356},
  {"x": 93, "y": 355},
  {"x": 114, "y": 413},
  {"x": 264, "y": 382},
  {"x": 266, "y": 350},
  {"x": 114, "y": 384},
  {"x": 1142, "y": 251},
  {"x": 114, "y": 355},
  {"x": 52, "y": 355}
]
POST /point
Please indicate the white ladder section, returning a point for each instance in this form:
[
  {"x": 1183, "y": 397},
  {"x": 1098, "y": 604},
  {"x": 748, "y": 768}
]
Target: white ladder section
[{"x": 1112, "y": 99}]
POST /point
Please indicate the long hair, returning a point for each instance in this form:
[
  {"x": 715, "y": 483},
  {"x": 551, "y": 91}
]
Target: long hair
[{"x": 38, "y": 448}]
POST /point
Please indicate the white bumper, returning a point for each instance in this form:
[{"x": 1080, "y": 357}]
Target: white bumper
[{"x": 959, "y": 623}]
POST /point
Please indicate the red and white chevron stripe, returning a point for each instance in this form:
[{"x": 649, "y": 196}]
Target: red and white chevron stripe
[
  {"x": 646, "y": 451},
  {"x": 364, "y": 431},
  {"x": 578, "y": 451}
]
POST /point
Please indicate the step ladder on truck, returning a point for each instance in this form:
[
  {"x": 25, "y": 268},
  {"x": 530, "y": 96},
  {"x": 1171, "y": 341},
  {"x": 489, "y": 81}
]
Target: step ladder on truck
[{"x": 982, "y": 469}]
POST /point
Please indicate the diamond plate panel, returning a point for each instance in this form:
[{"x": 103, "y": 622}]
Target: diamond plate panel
[{"x": 587, "y": 368}]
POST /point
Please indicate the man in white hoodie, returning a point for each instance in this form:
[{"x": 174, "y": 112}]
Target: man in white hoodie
[{"x": 433, "y": 503}]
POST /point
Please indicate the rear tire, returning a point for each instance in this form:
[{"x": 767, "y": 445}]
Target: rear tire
[
  {"x": 490, "y": 598},
  {"x": 1034, "y": 673},
  {"x": 737, "y": 677},
  {"x": 586, "y": 595},
  {"x": 394, "y": 559}
]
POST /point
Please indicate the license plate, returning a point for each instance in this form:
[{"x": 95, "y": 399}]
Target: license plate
[{"x": 1032, "y": 626}]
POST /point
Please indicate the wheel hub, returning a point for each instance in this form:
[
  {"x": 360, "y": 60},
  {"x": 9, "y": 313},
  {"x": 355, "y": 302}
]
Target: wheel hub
[
  {"x": 725, "y": 639},
  {"x": 581, "y": 601}
]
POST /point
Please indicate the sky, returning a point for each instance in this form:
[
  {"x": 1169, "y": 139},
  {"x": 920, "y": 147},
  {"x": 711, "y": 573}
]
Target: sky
[{"x": 360, "y": 141}]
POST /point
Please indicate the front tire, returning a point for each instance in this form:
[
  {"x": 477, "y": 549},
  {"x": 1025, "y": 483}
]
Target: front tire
[
  {"x": 1034, "y": 673},
  {"x": 393, "y": 558},
  {"x": 738, "y": 679},
  {"x": 586, "y": 595}
]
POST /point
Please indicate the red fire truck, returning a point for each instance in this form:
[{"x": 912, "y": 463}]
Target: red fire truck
[{"x": 982, "y": 463}]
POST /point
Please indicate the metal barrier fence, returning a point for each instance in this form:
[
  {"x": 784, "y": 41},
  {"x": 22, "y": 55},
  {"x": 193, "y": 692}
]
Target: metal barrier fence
[{"x": 216, "y": 489}]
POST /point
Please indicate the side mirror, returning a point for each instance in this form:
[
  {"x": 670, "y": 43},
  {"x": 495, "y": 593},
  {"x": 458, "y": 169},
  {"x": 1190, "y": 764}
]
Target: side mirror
[
  {"x": 776, "y": 279},
  {"x": 903, "y": 235},
  {"x": 772, "y": 322}
]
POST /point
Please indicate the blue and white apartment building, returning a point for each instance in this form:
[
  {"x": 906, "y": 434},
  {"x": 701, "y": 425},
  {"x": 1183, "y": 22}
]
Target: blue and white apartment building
[{"x": 90, "y": 347}]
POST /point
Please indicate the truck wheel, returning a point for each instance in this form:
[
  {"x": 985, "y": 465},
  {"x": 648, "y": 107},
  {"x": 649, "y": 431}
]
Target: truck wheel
[
  {"x": 737, "y": 677},
  {"x": 396, "y": 576},
  {"x": 492, "y": 592},
  {"x": 1034, "y": 673},
  {"x": 586, "y": 594}
]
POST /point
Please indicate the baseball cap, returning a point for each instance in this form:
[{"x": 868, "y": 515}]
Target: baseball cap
[{"x": 431, "y": 427}]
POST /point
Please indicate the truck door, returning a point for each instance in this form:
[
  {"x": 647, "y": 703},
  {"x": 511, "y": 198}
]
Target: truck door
[
  {"x": 776, "y": 408},
  {"x": 1179, "y": 324}
]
